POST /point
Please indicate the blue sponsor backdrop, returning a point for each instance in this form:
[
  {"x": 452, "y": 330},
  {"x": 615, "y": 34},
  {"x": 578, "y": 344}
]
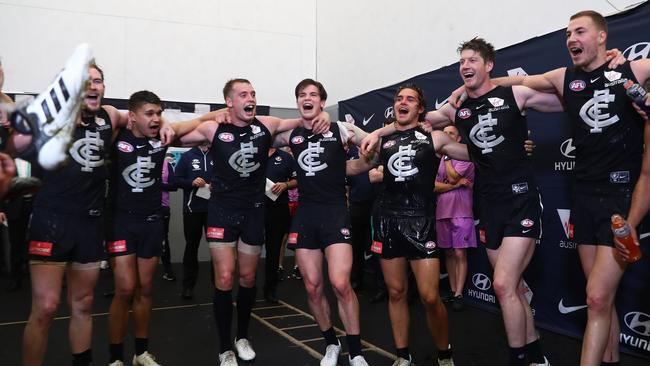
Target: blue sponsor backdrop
[{"x": 555, "y": 276}]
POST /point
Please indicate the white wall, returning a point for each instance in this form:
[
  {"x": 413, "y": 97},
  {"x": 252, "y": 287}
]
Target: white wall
[
  {"x": 186, "y": 50},
  {"x": 372, "y": 46},
  {"x": 182, "y": 50}
]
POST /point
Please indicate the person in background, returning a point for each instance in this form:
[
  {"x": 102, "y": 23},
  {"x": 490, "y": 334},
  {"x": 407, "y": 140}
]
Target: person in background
[
  {"x": 168, "y": 185},
  {"x": 281, "y": 169},
  {"x": 192, "y": 173},
  {"x": 454, "y": 218}
]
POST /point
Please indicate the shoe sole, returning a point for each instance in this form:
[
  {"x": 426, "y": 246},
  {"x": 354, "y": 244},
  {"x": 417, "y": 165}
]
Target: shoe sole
[
  {"x": 245, "y": 361},
  {"x": 56, "y": 110}
]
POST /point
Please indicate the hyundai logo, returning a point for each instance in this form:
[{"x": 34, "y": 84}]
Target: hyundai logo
[
  {"x": 567, "y": 149},
  {"x": 637, "y": 51},
  {"x": 389, "y": 113},
  {"x": 481, "y": 281},
  {"x": 638, "y": 322}
]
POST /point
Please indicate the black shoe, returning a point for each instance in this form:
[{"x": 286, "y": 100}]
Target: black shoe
[
  {"x": 280, "y": 273},
  {"x": 357, "y": 283},
  {"x": 270, "y": 295},
  {"x": 187, "y": 293},
  {"x": 380, "y": 296},
  {"x": 295, "y": 273},
  {"x": 447, "y": 297},
  {"x": 169, "y": 276},
  {"x": 458, "y": 304}
]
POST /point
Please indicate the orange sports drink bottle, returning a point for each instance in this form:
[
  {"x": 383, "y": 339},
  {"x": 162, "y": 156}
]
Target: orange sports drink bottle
[{"x": 622, "y": 232}]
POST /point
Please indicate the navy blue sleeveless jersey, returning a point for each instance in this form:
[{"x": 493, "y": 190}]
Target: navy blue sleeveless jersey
[
  {"x": 137, "y": 173},
  {"x": 410, "y": 166},
  {"x": 495, "y": 130},
  {"x": 320, "y": 165},
  {"x": 607, "y": 131},
  {"x": 80, "y": 185},
  {"x": 240, "y": 155}
]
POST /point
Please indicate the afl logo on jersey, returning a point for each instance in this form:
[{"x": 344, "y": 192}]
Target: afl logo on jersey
[
  {"x": 464, "y": 113},
  {"x": 226, "y": 137},
  {"x": 297, "y": 140},
  {"x": 577, "y": 85},
  {"x": 124, "y": 146},
  {"x": 388, "y": 144}
]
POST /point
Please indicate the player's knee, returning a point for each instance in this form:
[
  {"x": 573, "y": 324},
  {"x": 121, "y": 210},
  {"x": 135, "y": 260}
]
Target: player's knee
[
  {"x": 125, "y": 291},
  {"x": 598, "y": 301},
  {"x": 145, "y": 289},
  {"x": 341, "y": 287},
  {"x": 45, "y": 310},
  {"x": 82, "y": 304},
  {"x": 313, "y": 286},
  {"x": 397, "y": 294},
  {"x": 429, "y": 299},
  {"x": 224, "y": 277},
  {"x": 503, "y": 288},
  {"x": 460, "y": 254},
  {"x": 247, "y": 278}
]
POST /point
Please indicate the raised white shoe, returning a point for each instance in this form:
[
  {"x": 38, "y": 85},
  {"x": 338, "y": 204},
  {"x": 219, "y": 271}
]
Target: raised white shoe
[
  {"x": 446, "y": 362},
  {"x": 244, "y": 350},
  {"x": 331, "y": 357},
  {"x": 145, "y": 359},
  {"x": 358, "y": 361},
  {"x": 227, "y": 358},
  {"x": 546, "y": 363},
  {"x": 116, "y": 363},
  {"x": 402, "y": 361},
  {"x": 51, "y": 117}
]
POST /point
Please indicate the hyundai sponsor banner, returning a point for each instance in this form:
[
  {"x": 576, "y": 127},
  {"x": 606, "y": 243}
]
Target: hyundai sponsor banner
[{"x": 555, "y": 278}]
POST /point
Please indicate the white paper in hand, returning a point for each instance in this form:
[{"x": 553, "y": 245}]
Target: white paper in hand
[
  {"x": 269, "y": 193},
  {"x": 204, "y": 192}
]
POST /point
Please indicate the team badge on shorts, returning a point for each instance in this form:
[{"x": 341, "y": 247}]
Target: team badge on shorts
[
  {"x": 427, "y": 247},
  {"x": 527, "y": 223},
  {"x": 215, "y": 233},
  {"x": 117, "y": 246},
  {"x": 40, "y": 248},
  {"x": 345, "y": 232},
  {"x": 292, "y": 238},
  {"x": 376, "y": 247}
]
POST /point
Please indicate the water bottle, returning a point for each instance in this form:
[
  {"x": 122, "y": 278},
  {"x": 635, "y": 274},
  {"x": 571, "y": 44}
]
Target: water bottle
[
  {"x": 622, "y": 232},
  {"x": 637, "y": 94}
]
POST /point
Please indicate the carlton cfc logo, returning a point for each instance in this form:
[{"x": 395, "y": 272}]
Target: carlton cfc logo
[
  {"x": 464, "y": 113},
  {"x": 577, "y": 85}
]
